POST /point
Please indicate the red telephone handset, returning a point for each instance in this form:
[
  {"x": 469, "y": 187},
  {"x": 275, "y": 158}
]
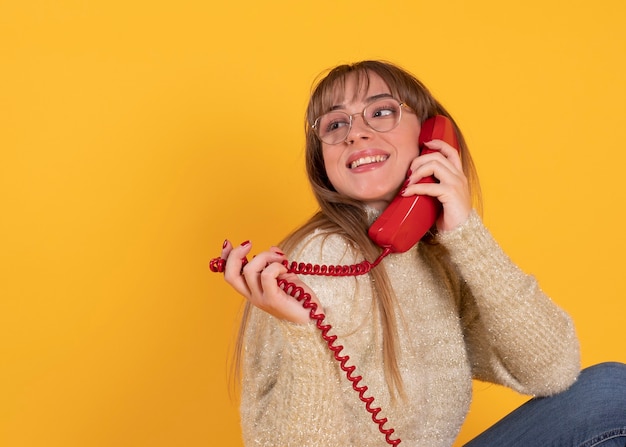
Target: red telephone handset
[{"x": 405, "y": 221}]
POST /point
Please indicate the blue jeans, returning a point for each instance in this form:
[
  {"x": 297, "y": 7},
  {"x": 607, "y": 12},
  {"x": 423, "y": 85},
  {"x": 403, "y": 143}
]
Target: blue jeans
[{"x": 591, "y": 413}]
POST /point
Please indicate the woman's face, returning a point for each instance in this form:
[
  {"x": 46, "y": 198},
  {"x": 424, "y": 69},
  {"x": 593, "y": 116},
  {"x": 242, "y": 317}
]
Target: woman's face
[{"x": 370, "y": 166}]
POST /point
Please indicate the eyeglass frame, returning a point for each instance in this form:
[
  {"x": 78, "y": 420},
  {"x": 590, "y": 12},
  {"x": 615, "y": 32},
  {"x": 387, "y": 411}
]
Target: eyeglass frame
[{"x": 401, "y": 104}]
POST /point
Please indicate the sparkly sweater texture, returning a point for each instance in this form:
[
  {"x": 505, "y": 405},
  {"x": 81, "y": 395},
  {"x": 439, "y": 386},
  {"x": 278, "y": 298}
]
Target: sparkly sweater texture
[{"x": 465, "y": 311}]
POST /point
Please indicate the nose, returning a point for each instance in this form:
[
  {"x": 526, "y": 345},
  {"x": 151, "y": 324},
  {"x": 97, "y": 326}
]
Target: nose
[{"x": 359, "y": 129}]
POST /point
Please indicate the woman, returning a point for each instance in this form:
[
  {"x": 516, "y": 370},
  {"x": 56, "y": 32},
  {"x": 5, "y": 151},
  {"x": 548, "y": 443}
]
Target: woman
[{"x": 419, "y": 326}]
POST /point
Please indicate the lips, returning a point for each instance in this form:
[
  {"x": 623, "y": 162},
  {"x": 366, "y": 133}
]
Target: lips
[{"x": 366, "y": 158}]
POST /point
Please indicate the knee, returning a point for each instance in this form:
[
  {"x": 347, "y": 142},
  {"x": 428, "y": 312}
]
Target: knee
[
  {"x": 604, "y": 381},
  {"x": 608, "y": 371}
]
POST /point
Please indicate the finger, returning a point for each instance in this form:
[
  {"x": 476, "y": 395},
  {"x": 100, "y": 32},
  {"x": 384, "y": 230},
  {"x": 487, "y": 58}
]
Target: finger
[
  {"x": 235, "y": 261},
  {"x": 448, "y": 151},
  {"x": 218, "y": 264},
  {"x": 253, "y": 271},
  {"x": 226, "y": 249},
  {"x": 285, "y": 304},
  {"x": 428, "y": 165},
  {"x": 450, "y": 183},
  {"x": 268, "y": 281},
  {"x": 447, "y": 182},
  {"x": 424, "y": 189}
]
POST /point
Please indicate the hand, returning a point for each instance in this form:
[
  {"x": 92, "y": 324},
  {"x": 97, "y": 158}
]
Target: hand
[
  {"x": 452, "y": 190},
  {"x": 257, "y": 282}
]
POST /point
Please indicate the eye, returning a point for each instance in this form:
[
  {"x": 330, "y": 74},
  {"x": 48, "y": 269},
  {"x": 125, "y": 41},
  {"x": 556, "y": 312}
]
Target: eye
[
  {"x": 380, "y": 113},
  {"x": 334, "y": 125},
  {"x": 333, "y": 122},
  {"x": 383, "y": 109}
]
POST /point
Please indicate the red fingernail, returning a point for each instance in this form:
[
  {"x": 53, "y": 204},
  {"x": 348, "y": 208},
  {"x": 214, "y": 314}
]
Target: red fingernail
[
  {"x": 225, "y": 243},
  {"x": 243, "y": 244},
  {"x": 280, "y": 253},
  {"x": 408, "y": 173}
]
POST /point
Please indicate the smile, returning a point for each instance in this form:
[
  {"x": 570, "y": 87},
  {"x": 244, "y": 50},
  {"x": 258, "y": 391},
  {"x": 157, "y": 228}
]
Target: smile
[{"x": 368, "y": 160}]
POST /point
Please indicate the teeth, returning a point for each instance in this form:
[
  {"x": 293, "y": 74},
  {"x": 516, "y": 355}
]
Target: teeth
[{"x": 367, "y": 160}]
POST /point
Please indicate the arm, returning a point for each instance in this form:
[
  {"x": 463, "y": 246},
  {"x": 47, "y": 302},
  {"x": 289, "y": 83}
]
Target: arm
[{"x": 516, "y": 335}]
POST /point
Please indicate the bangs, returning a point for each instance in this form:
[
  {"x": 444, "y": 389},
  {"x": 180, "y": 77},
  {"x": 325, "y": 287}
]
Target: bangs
[{"x": 331, "y": 90}]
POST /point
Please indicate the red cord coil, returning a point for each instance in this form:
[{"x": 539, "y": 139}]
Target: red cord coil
[
  {"x": 219, "y": 264},
  {"x": 305, "y": 298},
  {"x": 328, "y": 270}
]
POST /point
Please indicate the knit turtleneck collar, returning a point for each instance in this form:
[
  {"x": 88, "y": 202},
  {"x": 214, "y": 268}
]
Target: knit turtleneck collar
[{"x": 372, "y": 213}]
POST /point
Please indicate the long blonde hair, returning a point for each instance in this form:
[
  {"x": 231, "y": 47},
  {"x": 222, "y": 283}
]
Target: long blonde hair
[{"x": 344, "y": 216}]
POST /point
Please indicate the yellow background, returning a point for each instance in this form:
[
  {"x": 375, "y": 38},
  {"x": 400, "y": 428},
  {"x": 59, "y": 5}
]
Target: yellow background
[{"x": 136, "y": 135}]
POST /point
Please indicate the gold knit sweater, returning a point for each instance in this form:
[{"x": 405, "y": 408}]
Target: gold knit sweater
[{"x": 464, "y": 311}]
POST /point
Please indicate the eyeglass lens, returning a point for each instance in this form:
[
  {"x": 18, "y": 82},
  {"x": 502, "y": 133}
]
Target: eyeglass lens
[{"x": 381, "y": 115}]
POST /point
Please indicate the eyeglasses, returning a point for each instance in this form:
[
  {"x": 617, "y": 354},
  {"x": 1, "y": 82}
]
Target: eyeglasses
[{"x": 381, "y": 115}]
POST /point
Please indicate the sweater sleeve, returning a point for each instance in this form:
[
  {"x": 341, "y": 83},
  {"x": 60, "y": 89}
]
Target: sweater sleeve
[
  {"x": 515, "y": 335},
  {"x": 289, "y": 374}
]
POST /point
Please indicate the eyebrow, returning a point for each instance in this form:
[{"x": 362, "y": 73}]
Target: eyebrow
[{"x": 368, "y": 100}]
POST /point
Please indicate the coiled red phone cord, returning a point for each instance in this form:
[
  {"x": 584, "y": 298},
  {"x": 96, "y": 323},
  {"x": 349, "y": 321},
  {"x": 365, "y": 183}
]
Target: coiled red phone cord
[{"x": 218, "y": 265}]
